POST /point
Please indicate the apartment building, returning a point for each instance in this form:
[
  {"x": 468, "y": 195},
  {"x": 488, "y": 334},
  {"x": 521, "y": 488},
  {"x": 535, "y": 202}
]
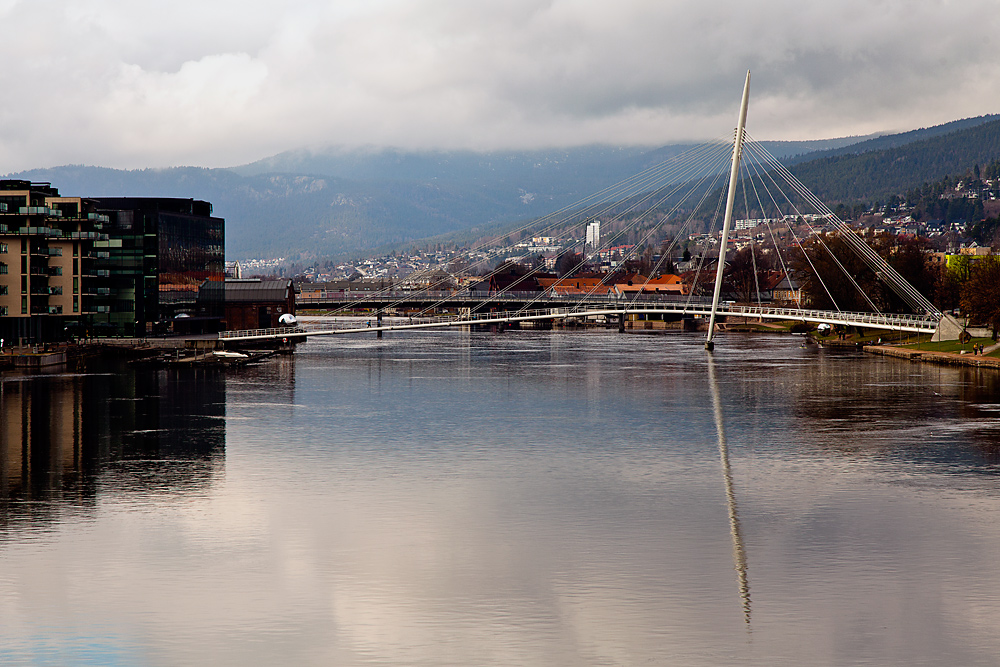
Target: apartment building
[{"x": 46, "y": 260}]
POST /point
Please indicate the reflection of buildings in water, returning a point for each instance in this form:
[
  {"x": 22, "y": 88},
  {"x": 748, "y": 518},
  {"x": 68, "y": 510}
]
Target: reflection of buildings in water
[
  {"x": 60, "y": 436},
  {"x": 849, "y": 402},
  {"x": 41, "y": 433}
]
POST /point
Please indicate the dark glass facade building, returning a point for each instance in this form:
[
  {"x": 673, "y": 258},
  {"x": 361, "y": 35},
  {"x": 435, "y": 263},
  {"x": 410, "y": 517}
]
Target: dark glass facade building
[{"x": 160, "y": 251}]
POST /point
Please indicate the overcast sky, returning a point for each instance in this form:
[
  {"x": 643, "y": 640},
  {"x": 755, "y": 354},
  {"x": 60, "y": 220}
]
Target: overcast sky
[{"x": 151, "y": 83}]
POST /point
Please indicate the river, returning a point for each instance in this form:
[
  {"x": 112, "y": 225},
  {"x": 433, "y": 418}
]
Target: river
[{"x": 524, "y": 498}]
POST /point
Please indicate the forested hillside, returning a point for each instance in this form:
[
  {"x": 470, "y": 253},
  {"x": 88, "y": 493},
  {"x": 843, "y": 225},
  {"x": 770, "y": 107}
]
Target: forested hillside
[{"x": 876, "y": 175}]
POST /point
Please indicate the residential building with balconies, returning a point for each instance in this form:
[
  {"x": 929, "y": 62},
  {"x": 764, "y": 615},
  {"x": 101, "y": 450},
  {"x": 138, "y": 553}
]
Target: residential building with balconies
[{"x": 46, "y": 246}]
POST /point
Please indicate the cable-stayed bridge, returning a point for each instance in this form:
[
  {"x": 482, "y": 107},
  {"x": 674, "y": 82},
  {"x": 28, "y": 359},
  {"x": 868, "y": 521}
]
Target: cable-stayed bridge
[
  {"x": 927, "y": 324},
  {"x": 677, "y": 190}
]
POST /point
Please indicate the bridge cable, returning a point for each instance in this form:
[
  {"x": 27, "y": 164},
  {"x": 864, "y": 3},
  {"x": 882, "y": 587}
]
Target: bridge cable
[
  {"x": 774, "y": 241},
  {"x": 753, "y": 255},
  {"x": 611, "y": 240},
  {"x": 666, "y": 218},
  {"x": 819, "y": 238},
  {"x": 883, "y": 270},
  {"x": 673, "y": 168},
  {"x": 614, "y": 193},
  {"x": 798, "y": 241}
]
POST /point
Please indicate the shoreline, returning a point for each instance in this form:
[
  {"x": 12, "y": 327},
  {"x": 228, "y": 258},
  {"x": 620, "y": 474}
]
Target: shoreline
[{"x": 942, "y": 358}]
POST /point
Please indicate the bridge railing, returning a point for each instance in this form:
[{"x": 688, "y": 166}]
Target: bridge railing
[
  {"x": 592, "y": 309},
  {"x": 274, "y": 332},
  {"x": 478, "y": 296}
]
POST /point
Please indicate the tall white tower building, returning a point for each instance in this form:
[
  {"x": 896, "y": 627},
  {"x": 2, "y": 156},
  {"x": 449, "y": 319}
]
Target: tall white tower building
[{"x": 594, "y": 234}]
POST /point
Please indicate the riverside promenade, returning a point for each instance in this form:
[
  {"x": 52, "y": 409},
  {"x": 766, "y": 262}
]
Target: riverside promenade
[{"x": 943, "y": 358}]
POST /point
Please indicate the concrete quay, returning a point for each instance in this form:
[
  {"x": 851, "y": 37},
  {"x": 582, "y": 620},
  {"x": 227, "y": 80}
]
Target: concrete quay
[{"x": 943, "y": 358}]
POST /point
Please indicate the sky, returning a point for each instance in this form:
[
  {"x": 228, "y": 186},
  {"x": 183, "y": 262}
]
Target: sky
[{"x": 216, "y": 83}]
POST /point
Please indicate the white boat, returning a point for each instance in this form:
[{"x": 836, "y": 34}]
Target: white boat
[{"x": 225, "y": 354}]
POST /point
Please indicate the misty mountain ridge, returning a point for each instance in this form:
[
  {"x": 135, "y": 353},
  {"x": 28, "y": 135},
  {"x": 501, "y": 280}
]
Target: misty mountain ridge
[{"x": 337, "y": 202}]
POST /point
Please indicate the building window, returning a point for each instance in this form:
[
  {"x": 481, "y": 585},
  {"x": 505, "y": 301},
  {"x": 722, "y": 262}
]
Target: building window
[
  {"x": 24, "y": 246},
  {"x": 76, "y": 285},
  {"x": 76, "y": 304},
  {"x": 76, "y": 266},
  {"x": 3, "y": 290},
  {"x": 24, "y": 305},
  {"x": 3, "y": 269},
  {"x": 76, "y": 249},
  {"x": 3, "y": 248},
  {"x": 3, "y": 311}
]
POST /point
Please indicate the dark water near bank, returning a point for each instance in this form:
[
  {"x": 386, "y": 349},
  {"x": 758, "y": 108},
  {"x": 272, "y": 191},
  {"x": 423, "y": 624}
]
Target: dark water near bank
[{"x": 530, "y": 498}]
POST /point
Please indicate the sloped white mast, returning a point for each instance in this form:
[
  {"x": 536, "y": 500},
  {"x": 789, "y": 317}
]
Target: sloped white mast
[{"x": 734, "y": 175}]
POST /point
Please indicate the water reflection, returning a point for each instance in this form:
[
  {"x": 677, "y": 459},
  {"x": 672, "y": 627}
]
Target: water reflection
[
  {"x": 739, "y": 551},
  {"x": 860, "y": 409},
  {"x": 64, "y": 437},
  {"x": 527, "y": 498}
]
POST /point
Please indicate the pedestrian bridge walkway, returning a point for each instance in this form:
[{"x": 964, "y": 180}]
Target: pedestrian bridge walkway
[{"x": 927, "y": 324}]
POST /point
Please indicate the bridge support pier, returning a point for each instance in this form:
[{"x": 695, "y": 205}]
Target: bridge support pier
[
  {"x": 621, "y": 323},
  {"x": 378, "y": 323}
]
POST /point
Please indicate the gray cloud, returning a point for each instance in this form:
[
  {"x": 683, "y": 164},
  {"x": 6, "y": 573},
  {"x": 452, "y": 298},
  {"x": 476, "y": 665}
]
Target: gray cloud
[{"x": 219, "y": 82}]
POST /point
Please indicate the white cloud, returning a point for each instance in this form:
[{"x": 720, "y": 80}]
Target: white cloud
[{"x": 218, "y": 82}]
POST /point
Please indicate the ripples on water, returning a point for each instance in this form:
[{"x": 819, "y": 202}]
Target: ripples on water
[{"x": 530, "y": 498}]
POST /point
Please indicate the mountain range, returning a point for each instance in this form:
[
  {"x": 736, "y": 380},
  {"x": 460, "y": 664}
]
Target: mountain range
[{"x": 324, "y": 203}]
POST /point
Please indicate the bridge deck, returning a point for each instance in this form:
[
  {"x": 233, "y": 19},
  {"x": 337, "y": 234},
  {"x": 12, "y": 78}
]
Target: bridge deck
[{"x": 889, "y": 322}]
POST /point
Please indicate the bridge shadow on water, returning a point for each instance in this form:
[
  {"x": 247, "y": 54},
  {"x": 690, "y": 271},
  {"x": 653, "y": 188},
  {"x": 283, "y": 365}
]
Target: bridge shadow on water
[{"x": 66, "y": 438}]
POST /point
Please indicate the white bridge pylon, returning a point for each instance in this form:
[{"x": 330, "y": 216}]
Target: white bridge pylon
[
  {"x": 926, "y": 324},
  {"x": 734, "y": 176}
]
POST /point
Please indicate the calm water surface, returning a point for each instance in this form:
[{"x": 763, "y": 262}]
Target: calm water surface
[{"x": 529, "y": 498}]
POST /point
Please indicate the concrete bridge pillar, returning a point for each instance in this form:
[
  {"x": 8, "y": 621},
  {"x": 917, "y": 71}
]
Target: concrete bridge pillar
[{"x": 948, "y": 328}]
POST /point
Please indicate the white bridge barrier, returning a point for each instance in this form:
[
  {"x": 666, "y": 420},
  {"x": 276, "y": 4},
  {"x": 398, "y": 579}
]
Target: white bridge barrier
[{"x": 889, "y": 321}]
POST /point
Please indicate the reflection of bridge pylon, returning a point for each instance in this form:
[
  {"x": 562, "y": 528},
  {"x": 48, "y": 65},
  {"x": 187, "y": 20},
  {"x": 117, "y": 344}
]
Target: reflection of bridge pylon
[{"x": 739, "y": 551}]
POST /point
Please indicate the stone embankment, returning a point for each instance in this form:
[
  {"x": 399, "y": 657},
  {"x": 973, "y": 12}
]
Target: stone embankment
[{"x": 944, "y": 358}]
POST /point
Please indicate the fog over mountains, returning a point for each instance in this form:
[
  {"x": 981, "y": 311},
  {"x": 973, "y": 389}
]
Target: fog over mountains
[{"x": 333, "y": 202}]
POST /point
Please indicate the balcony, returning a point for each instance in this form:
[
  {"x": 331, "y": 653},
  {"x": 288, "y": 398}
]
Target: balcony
[
  {"x": 47, "y": 252},
  {"x": 46, "y": 310},
  {"x": 41, "y": 231}
]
